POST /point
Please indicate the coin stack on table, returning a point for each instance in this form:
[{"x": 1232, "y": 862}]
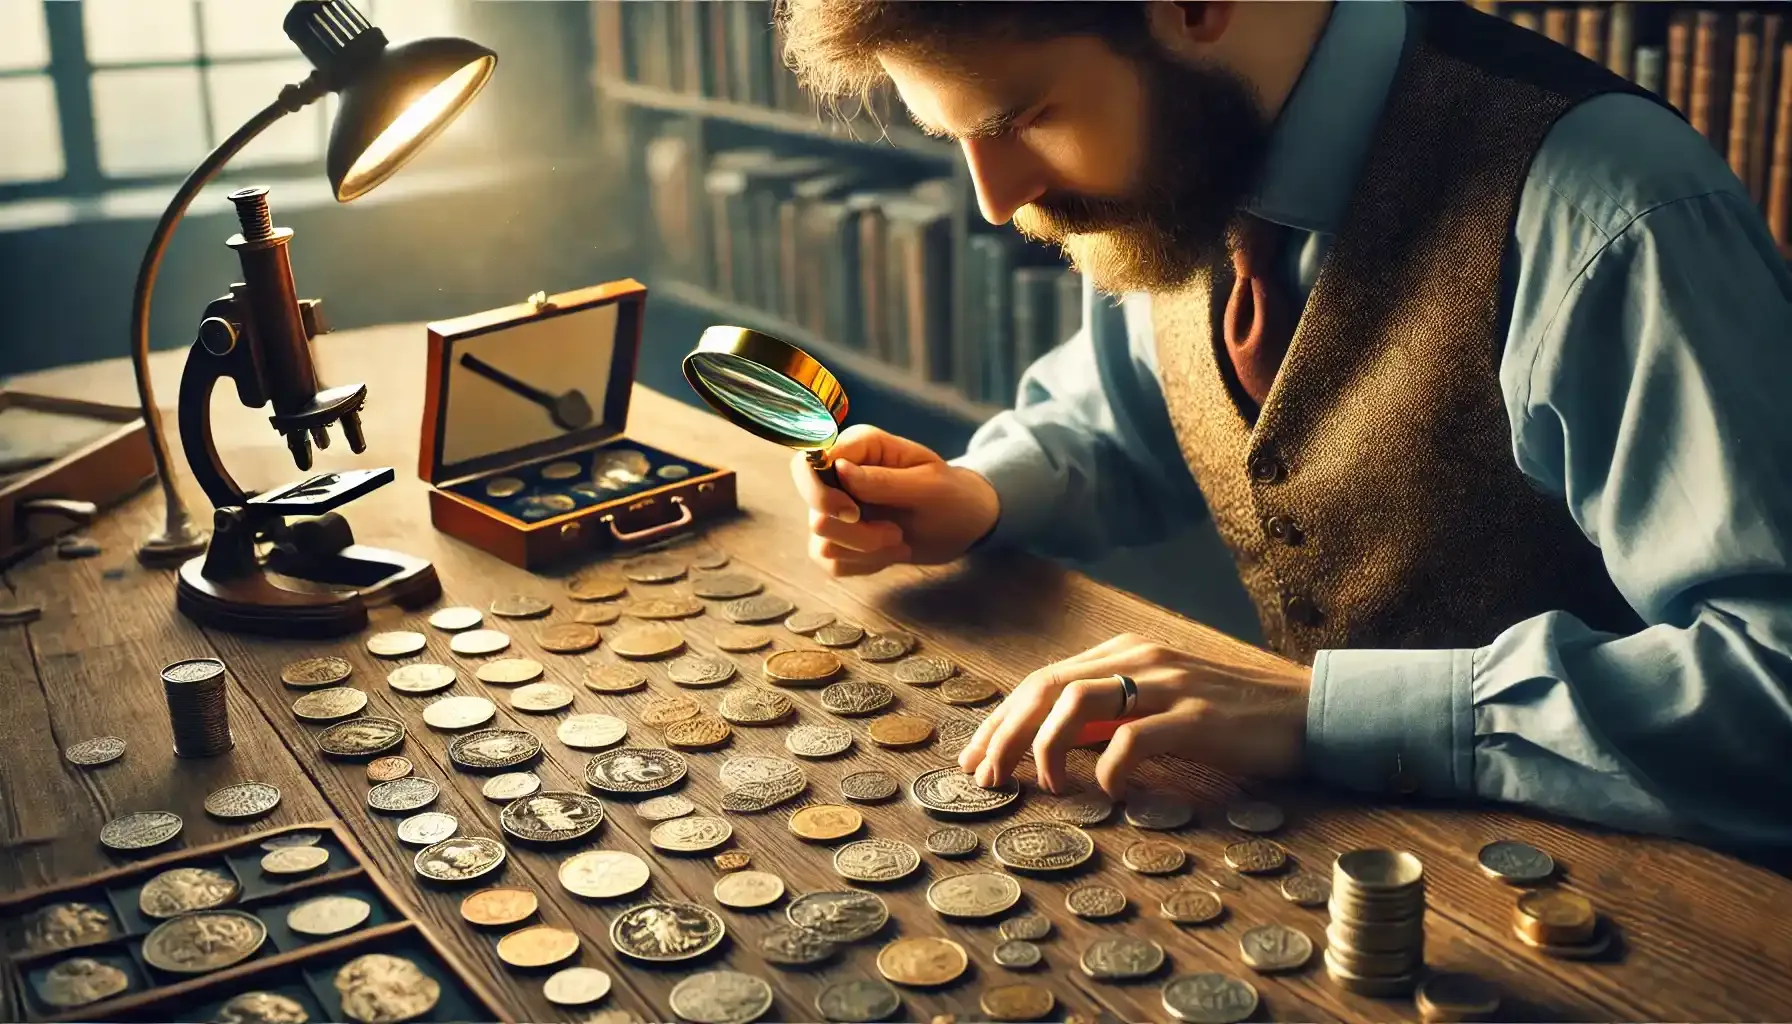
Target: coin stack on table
[
  {"x": 197, "y": 710},
  {"x": 1376, "y": 941}
]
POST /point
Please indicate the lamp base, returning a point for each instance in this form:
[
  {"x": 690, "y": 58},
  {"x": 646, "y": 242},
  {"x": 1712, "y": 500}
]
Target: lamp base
[{"x": 172, "y": 546}]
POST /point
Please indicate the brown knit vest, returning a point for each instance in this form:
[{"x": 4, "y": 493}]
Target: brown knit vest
[{"x": 1375, "y": 503}]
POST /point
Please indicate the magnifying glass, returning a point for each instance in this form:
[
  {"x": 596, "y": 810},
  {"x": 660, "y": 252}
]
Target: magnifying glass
[{"x": 771, "y": 389}]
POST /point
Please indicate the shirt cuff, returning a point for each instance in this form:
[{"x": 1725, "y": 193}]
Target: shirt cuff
[
  {"x": 1393, "y": 720},
  {"x": 1026, "y": 488}
]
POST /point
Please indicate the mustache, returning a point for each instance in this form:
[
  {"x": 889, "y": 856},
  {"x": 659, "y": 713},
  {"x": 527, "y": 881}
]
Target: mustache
[{"x": 1053, "y": 217}]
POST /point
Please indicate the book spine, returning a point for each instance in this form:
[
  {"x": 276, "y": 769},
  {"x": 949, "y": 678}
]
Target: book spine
[
  {"x": 972, "y": 338},
  {"x": 1620, "y": 40},
  {"x": 936, "y": 342},
  {"x": 1779, "y": 176},
  {"x": 1745, "y": 58},
  {"x": 789, "y": 306},
  {"x": 608, "y": 41},
  {"x": 721, "y": 50},
  {"x": 1767, "y": 81},
  {"x": 1558, "y": 24},
  {"x": 1589, "y": 32},
  {"x": 1524, "y": 16},
  {"x": 1650, "y": 61},
  {"x": 668, "y": 164},
  {"x": 999, "y": 317},
  {"x": 1707, "y": 94},
  {"x": 894, "y": 341},
  {"x": 872, "y": 259},
  {"x": 1680, "y": 60},
  {"x": 721, "y": 274}
]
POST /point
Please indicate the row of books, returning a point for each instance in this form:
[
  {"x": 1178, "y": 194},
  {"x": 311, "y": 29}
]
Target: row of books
[{"x": 863, "y": 256}]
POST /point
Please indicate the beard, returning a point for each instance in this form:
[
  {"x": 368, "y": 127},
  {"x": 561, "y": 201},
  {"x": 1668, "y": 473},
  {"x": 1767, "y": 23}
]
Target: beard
[{"x": 1204, "y": 143}]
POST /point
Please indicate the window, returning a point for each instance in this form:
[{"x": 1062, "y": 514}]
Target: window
[{"x": 27, "y": 98}]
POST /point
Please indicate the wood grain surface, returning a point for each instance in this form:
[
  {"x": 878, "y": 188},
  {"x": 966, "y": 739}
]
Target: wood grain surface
[{"x": 1701, "y": 936}]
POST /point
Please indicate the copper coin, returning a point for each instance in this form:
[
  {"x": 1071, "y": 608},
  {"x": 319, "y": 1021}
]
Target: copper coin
[
  {"x": 567, "y": 638},
  {"x": 758, "y": 608},
  {"x": 399, "y": 643},
  {"x": 805, "y": 623},
  {"x": 453, "y": 620},
  {"x": 670, "y": 606},
  {"x": 664, "y": 709},
  {"x": 698, "y": 732},
  {"x": 887, "y": 646},
  {"x": 649, "y": 640},
  {"x": 386, "y": 769},
  {"x": 967, "y": 690},
  {"x": 595, "y": 586},
  {"x": 898, "y": 731},
  {"x": 1020, "y": 1001},
  {"x": 315, "y": 672},
  {"x": 802, "y": 667},
  {"x": 839, "y": 634},
  {"x": 922, "y": 961},
  {"x": 421, "y": 677},
  {"x": 725, "y": 586},
  {"x": 498, "y": 907},
  {"x": 822, "y": 823},
  {"x": 478, "y": 642},
  {"x": 597, "y": 614},
  {"x": 520, "y": 606},
  {"x": 614, "y": 678},
  {"x": 741, "y": 639},
  {"x": 538, "y": 946},
  {"x": 509, "y": 672},
  {"x": 652, "y": 569},
  {"x": 732, "y": 860}
]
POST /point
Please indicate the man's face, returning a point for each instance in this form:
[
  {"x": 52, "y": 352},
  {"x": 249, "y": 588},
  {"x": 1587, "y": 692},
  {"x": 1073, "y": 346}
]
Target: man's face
[{"x": 1134, "y": 165}]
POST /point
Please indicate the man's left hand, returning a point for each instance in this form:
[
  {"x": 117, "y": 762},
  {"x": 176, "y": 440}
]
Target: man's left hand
[{"x": 1244, "y": 716}]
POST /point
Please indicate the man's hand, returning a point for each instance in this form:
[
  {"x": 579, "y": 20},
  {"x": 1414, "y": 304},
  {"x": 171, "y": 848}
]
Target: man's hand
[
  {"x": 1246, "y": 717},
  {"x": 925, "y": 511}
]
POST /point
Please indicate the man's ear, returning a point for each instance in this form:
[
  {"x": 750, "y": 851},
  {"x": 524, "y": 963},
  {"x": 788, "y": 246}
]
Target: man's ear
[{"x": 1192, "y": 24}]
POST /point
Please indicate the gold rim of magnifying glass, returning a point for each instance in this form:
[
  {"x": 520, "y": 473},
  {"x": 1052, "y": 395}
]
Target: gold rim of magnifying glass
[{"x": 776, "y": 355}]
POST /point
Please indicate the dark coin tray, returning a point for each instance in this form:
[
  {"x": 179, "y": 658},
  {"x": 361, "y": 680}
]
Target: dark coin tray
[{"x": 583, "y": 492}]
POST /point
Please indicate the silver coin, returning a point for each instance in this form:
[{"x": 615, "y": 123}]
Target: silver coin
[
  {"x": 748, "y": 890},
  {"x": 1016, "y": 954},
  {"x": 510, "y": 785},
  {"x": 540, "y": 698},
  {"x": 242, "y": 801},
  {"x": 423, "y": 677},
  {"x": 328, "y": 915},
  {"x": 758, "y": 608},
  {"x": 720, "y": 997},
  {"x": 460, "y": 859},
  {"x": 1254, "y": 816},
  {"x": 955, "y": 734},
  {"x": 592, "y": 731},
  {"x": 97, "y": 751},
  {"x": 453, "y": 619},
  {"x": 1042, "y": 846},
  {"x": 329, "y": 704},
  {"x": 451, "y": 714},
  {"x": 1209, "y": 999},
  {"x": 807, "y": 622},
  {"x": 666, "y": 931},
  {"x": 1161, "y": 812},
  {"x": 887, "y": 646},
  {"x": 1095, "y": 901},
  {"x": 576, "y": 986},
  {"x": 1031, "y": 927},
  {"x": 789, "y": 946},
  {"x": 690, "y": 834},
  {"x": 551, "y": 816},
  {"x": 952, "y": 841},
  {"x": 402, "y": 796},
  {"x": 950, "y": 790},
  {"x": 363, "y": 737},
  {"x": 817, "y": 740},
  {"x": 839, "y": 634},
  {"x": 876, "y": 860},
  {"x": 603, "y": 874},
  {"x": 303, "y": 837},
  {"x": 664, "y": 808},
  {"x": 1306, "y": 889},
  {"x": 856, "y": 697},
  {"x": 490, "y": 749},
  {"x": 699, "y": 670},
  {"x": 1518, "y": 863},
  {"x": 839, "y": 916},
  {"x": 976, "y": 895},
  {"x": 1121, "y": 957},
  {"x": 140, "y": 830},
  {"x": 753, "y": 797},
  {"x": 868, "y": 787},
  {"x": 326, "y": 671},
  {"x": 294, "y": 860},
  {"x": 428, "y": 828},
  {"x": 635, "y": 770},
  {"x": 739, "y": 771},
  {"x": 521, "y": 606},
  {"x": 924, "y": 670},
  {"x": 183, "y": 890},
  {"x": 858, "y": 1001},
  {"x": 725, "y": 586},
  {"x": 754, "y": 705},
  {"x": 80, "y": 981},
  {"x": 1083, "y": 805}
]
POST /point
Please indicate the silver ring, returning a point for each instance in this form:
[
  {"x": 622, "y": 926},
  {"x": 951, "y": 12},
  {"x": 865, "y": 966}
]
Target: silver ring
[{"x": 1129, "y": 695}]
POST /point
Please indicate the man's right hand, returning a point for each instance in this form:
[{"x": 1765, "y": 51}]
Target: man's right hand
[{"x": 921, "y": 509}]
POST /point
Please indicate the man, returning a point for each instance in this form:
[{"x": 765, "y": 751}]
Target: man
[{"x": 1472, "y": 352}]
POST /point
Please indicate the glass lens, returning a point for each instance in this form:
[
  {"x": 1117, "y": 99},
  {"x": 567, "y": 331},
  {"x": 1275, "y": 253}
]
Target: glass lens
[{"x": 778, "y": 404}]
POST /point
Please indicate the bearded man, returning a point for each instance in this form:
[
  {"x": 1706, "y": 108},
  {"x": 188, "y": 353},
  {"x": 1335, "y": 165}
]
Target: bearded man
[{"x": 1471, "y": 350}]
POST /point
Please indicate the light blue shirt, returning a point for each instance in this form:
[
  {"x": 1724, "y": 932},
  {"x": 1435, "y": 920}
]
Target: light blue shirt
[{"x": 1647, "y": 374}]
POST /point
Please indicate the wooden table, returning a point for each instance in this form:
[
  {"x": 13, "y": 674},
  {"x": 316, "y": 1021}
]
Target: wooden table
[{"x": 1702, "y": 936}]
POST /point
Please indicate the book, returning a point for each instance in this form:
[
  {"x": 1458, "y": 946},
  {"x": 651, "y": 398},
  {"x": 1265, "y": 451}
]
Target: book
[
  {"x": 667, "y": 163},
  {"x": 1035, "y": 313},
  {"x": 1767, "y": 75},
  {"x": 1707, "y": 95},
  {"x": 1779, "y": 176},
  {"x": 1679, "y": 47},
  {"x": 1745, "y": 60},
  {"x": 920, "y": 237},
  {"x": 1589, "y": 32},
  {"x": 1558, "y": 24},
  {"x": 1650, "y": 63},
  {"x": 609, "y": 48},
  {"x": 1620, "y": 39}
]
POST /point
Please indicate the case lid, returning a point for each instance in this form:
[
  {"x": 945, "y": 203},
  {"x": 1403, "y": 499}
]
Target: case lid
[{"x": 529, "y": 381}]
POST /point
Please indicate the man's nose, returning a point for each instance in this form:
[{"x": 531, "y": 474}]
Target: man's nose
[{"x": 1005, "y": 175}]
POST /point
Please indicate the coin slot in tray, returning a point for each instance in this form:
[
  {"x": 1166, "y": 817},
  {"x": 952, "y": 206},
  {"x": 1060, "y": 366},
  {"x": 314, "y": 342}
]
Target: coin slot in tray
[
  {"x": 115, "y": 954},
  {"x": 246, "y": 863},
  {"x": 455, "y": 1003},
  {"x": 282, "y": 938},
  {"x": 583, "y": 489}
]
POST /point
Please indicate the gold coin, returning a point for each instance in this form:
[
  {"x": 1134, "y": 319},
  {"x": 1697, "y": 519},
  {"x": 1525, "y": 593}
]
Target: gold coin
[
  {"x": 508, "y": 672},
  {"x": 520, "y": 606},
  {"x": 671, "y": 606},
  {"x": 823, "y": 823},
  {"x": 614, "y": 678},
  {"x": 1192, "y": 906},
  {"x": 839, "y": 634},
  {"x": 754, "y": 705},
  {"x": 386, "y": 769},
  {"x": 748, "y": 890},
  {"x": 597, "y": 615},
  {"x": 967, "y": 690},
  {"x": 562, "y": 470},
  {"x": 732, "y": 860},
  {"x": 329, "y": 704},
  {"x": 1154, "y": 857},
  {"x": 924, "y": 961},
  {"x": 503, "y": 487},
  {"x": 900, "y": 731},
  {"x": 538, "y": 946},
  {"x": 595, "y": 586},
  {"x": 377, "y": 988},
  {"x": 453, "y": 620},
  {"x": 698, "y": 732},
  {"x": 294, "y": 860},
  {"x": 741, "y": 639},
  {"x": 802, "y": 667},
  {"x": 567, "y": 638},
  {"x": 1307, "y": 889},
  {"x": 399, "y": 643},
  {"x": 478, "y": 642},
  {"x": 1555, "y": 918},
  {"x": 1256, "y": 857},
  {"x": 650, "y": 640},
  {"x": 1019, "y": 1001},
  {"x": 652, "y": 569},
  {"x": 664, "y": 709}
]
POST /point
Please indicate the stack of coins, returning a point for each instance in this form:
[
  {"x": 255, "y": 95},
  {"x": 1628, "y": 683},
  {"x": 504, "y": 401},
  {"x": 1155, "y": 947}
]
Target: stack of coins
[
  {"x": 197, "y": 711},
  {"x": 1559, "y": 923},
  {"x": 1376, "y": 941}
]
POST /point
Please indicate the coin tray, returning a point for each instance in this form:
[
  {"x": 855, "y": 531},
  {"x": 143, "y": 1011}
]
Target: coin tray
[
  {"x": 581, "y": 490},
  {"x": 302, "y": 966}
]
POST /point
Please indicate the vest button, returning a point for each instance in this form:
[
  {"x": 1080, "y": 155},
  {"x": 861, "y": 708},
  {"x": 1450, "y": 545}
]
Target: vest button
[
  {"x": 1266, "y": 469},
  {"x": 1283, "y": 529},
  {"x": 1301, "y": 610}
]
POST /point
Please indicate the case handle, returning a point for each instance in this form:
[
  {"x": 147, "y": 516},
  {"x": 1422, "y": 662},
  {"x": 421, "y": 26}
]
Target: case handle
[{"x": 629, "y": 537}]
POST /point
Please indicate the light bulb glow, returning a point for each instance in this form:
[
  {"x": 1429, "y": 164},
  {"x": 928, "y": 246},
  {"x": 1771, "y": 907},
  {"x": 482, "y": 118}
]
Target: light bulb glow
[{"x": 420, "y": 121}]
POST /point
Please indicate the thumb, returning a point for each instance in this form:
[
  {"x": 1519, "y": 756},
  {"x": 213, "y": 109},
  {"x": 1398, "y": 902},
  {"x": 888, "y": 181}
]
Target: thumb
[
  {"x": 880, "y": 485},
  {"x": 1139, "y": 740}
]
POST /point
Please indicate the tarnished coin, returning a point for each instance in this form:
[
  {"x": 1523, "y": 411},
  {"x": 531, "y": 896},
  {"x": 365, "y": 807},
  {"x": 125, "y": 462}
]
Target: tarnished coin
[
  {"x": 666, "y": 931},
  {"x": 741, "y": 639},
  {"x": 663, "y": 709},
  {"x": 965, "y": 691},
  {"x": 603, "y": 874},
  {"x": 839, "y": 634},
  {"x": 922, "y": 961},
  {"x": 428, "y": 828},
  {"x": 567, "y": 637},
  {"x": 520, "y": 606},
  {"x": 62, "y": 926},
  {"x": 753, "y": 797},
  {"x": 720, "y": 997},
  {"x": 663, "y": 808},
  {"x": 699, "y": 670},
  {"x": 385, "y": 769},
  {"x": 455, "y": 619},
  {"x": 1095, "y": 901},
  {"x": 664, "y": 606},
  {"x": 1191, "y": 906},
  {"x": 576, "y": 986},
  {"x": 824, "y": 823},
  {"x": 754, "y": 705},
  {"x": 1121, "y": 958},
  {"x": 1154, "y": 857},
  {"x": 840, "y": 915},
  {"x": 1162, "y": 812},
  {"x": 140, "y": 830},
  {"x": 262, "y": 1008},
  {"x": 503, "y": 487},
  {"x": 859, "y": 1000},
  {"x": 1307, "y": 889},
  {"x": 952, "y": 841},
  {"x": 1256, "y": 857},
  {"x": 857, "y": 697},
  {"x": 1517, "y": 863},
  {"x": 817, "y": 740},
  {"x": 509, "y": 672},
  {"x": 328, "y": 915},
  {"x": 756, "y": 609},
  {"x": 900, "y": 731},
  {"x": 329, "y": 704},
  {"x": 198, "y": 943},
  {"x": 731, "y": 860},
  {"x": 699, "y": 732},
  {"x": 183, "y": 890},
  {"x": 802, "y": 668},
  {"x": 597, "y": 614},
  {"x": 81, "y": 981},
  {"x": 614, "y": 678},
  {"x": 950, "y": 790},
  {"x": 492, "y": 749},
  {"x": 460, "y": 859},
  {"x": 402, "y": 796},
  {"x": 1209, "y": 999},
  {"x": 1016, "y": 955},
  {"x": 691, "y": 834},
  {"x": 979, "y": 894},
  {"x": 1018, "y": 1002},
  {"x": 97, "y": 751},
  {"x": 648, "y": 640},
  {"x": 955, "y": 734},
  {"x": 1453, "y": 996},
  {"x": 377, "y": 988},
  {"x": 652, "y": 569},
  {"x": 708, "y": 559},
  {"x": 1274, "y": 947},
  {"x": 309, "y": 672},
  {"x": 635, "y": 770},
  {"x": 422, "y": 677},
  {"x": 1081, "y": 805},
  {"x": 592, "y": 731},
  {"x": 476, "y": 643},
  {"x": 1042, "y": 846},
  {"x": 789, "y": 946},
  {"x": 924, "y": 670},
  {"x": 738, "y": 771},
  {"x": 294, "y": 860},
  {"x": 869, "y": 787},
  {"x": 725, "y": 586},
  {"x": 595, "y": 586},
  {"x": 887, "y": 646},
  {"x": 538, "y": 945},
  {"x": 498, "y": 907},
  {"x": 399, "y": 643},
  {"x": 876, "y": 860},
  {"x": 1254, "y": 816},
  {"x": 749, "y": 890},
  {"x": 511, "y": 786},
  {"x": 540, "y": 698},
  {"x": 242, "y": 801},
  {"x": 552, "y": 816},
  {"x": 451, "y": 714},
  {"x": 561, "y": 470},
  {"x": 805, "y": 623}
]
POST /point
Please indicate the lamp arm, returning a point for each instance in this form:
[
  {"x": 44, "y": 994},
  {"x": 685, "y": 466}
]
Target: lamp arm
[{"x": 178, "y": 537}]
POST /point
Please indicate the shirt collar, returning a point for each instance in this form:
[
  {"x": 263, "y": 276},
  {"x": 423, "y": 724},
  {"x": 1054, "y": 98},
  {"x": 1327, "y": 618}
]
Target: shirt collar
[{"x": 1318, "y": 142}]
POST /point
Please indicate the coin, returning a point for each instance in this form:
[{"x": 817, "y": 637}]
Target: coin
[
  {"x": 952, "y": 841},
  {"x": 802, "y": 668},
  {"x": 857, "y": 697},
  {"x": 1191, "y": 906},
  {"x": 421, "y": 677},
  {"x": 950, "y": 790},
  {"x": 597, "y": 614},
  {"x": 700, "y": 670},
  {"x": 1555, "y": 918},
  {"x": 790, "y": 946},
  {"x": 1254, "y": 816},
  {"x": 538, "y": 945},
  {"x": 1081, "y": 805},
  {"x": 478, "y": 642},
  {"x": 460, "y": 859},
  {"x": 1209, "y": 999},
  {"x": 725, "y": 586},
  {"x": 1154, "y": 857},
  {"x": 839, "y": 634},
  {"x": 924, "y": 670},
  {"x": 386, "y": 769},
  {"x": 753, "y": 797},
  {"x": 499, "y": 906},
  {"x": 520, "y": 606},
  {"x": 662, "y": 808},
  {"x": 455, "y": 619},
  {"x": 262, "y": 1008},
  {"x": 1256, "y": 857},
  {"x": 887, "y": 646},
  {"x": 807, "y": 622},
  {"x": 303, "y": 837},
  {"x": 329, "y": 704},
  {"x": 576, "y": 986},
  {"x": 428, "y": 828},
  {"x": 140, "y": 830},
  {"x": 824, "y": 823},
  {"x": 817, "y": 740},
  {"x": 1377, "y": 871},
  {"x": 567, "y": 637},
  {"x": 503, "y": 487},
  {"x": 1517, "y": 863},
  {"x": 965, "y": 690},
  {"x": 758, "y": 608},
  {"x": 1121, "y": 958},
  {"x": 554, "y": 816},
  {"x": 1274, "y": 947},
  {"x": 708, "y": 559},
  {"x": 666, "y": 931},
  {"x": 242, "y": 800},
  {"x": 1042, "y": 846},
  {"x": 1306, "y": 890},
  {"x": 979, "y": 894},
  {"x": 62, "y": 926},
  {"x": 664, "y": 606},
  {"x": 97, "y": 751},
  {"x": 720, "y": 997},
  {"x": 858, "y": 1001},
  {"x": 399, "y": 643},
  {"x": 309, "y": 672},
  {"x": 377, "y": 988},
  {"x": 698, "y": 732},
  {"x": 592, "y": 731},
  {"x": 869, "y": 787},
  {"x": 1095, "y": 901},
  {"x": 922, "y": 961},
  {"x": 511, "y": 785},
  {"x": 956, "y": 733},
  {"x": 208, "y": 940},
  {"x": 754, "y": 705},
  {"x": 1163, "y": 812},
  {"x": 454, "y": 713},
  {"x": 731, "y": 860},
  {"x": 401, "y": 796},
  {"x": 741, "y": 639},
  {"x": 1017, "y": 1002},
  {"x": 81, "y": 981},
  {"x": 876, "y": 860},
  {"x": 663, "y": 709},
  {"x": 652, "y": 568},
  {"x": 614, "y": 678},
  {"x": 748, "y": 890},
  {"x": 1454, "y": 996},
  {"x": 561, "y": 470},
  {"x": 1016, "y": 954},
  {"x": 540, "y": 698},
  {"x": 603, "y": 874},
  {"x": 294, "y": 860},
  {"x": 181, "y": 890},
  {"x": 839, "y": 916},
  {"x": 648, "y": 640},
  {"x": 328, "y": 915},
  {"x": 739, "y": 771},
  {"x": 595, "y": 586},
  {"x": 691, "y": 834}
]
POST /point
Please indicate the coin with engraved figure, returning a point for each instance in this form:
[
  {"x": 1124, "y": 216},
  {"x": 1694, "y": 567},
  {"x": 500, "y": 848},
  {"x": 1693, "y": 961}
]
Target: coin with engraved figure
[
  {"x": 923, "y": 961},
  {"x": 753, "y": 797},
  {"x": 955, "y": 734},
  {"x": 1031, "y": 926},
  {"x": 309, "y": 672},
  {"x": 492, "y": 749},
  {"x": 614, "y": 678},
  {"x": 725, "y": 586},
  {"x": 1191, "y": 906},
  {"x": 540, "y": 698},
  {"x": 976, "y": 895},
  {"x": 690, "y": 834},
  {"x": 748, "y": 890},
  {"x": 367, "y": 736},
  {"x": 81, "y": 981},
  {"x": 399, "y": 643},
  {"x": 1254, "y": 816},
  {"x": 891, "y": 645},
  {"x": 858, "y": 1001},
  {"x": 664, "y": 606},
  {"x": 1274, "y": 947},
  {"x": 205, "y": 941},
  {"x": 1306, "y": 889},
  {"x": 378, "y": 988},
  {"x": 824, "y": 823},
  {"x": 648, "y": 640},
  {"x": 839, "y": 916},
  {"x": 420, "y": 678},
  {"x": 1042, "y": 846},
  {"x": 876, "y": 860},
  {"x": 597, "y": 614},
  {"x": 756, "y": 609},
  {"x": 1016, "y": 954},
  {"x": 94, "y": 752},
  {"x": 603, "y": 874},
  {"x": 1517, "y": 863},
  {"x": 817, "y": 740},
  {"x": 183, "y": 890},
  {"x": 699, "y": 670},
  {"x": 737, "y": 771},
  {"x": 294, "y": 860},
  {"x": 741, "y": 639},
  {"x": 952, "y": 841},
  {"x": 242, "y": 801},
  {"x": 662, "y": 808},
  {"x": 510, "y": 785},
  {"x": 591, "y": 731},
  {"x": 1081, "y": 805},
  {"x": 509, "y": 672},
  {"x": 328, "y": 915},
  {"x": 801, "y": 668},
  {"x": 140, "y": 830},
  {"x": 720, "y": 997},
  {"x": 329, "y": 704},
  {"x": 1095, "y": 901},
  {"x": 460, "y": 859},
  {"x": 869, "y": 787},
  {"x": 428, "y": 828},
  {"x": 635, "y": 769},
  {"x": 663, "y": 931},
  {"x": 924, "y": 670},
  {"x": 789, "y": 946},
  {"x": 62, "y": 926},
  {"x": 856, "y": 697},
  {"x": 1209, "y": 999},
  {"x": 731, "y": 860},
  {"x": 553, "y": 816},
  {"x": 1121, "y": 957},
  {"x": 754, "y": 705},
  {"x": 262, "y": 1008},
  {"x": 595, "y": 586},
  {"x": 648, "y": 568},
  {"x": 950, "y": 790},
  {"x": 567, "y": 638},
  {"x": 402, "y": 796},
  {"x": 964, "y": 691}
]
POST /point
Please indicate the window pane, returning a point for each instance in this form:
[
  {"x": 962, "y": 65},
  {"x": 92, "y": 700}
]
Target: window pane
[
  {"x": 243, "y": 28},
  {"x": 239, "y": 90},
  {"x": 23, "y": 42},
  {"x": 33, "y": 150},
  {"x": 405, "y": 20},
  {"x": 122, "y": 30},
  {"x": 148, "y": 120}
]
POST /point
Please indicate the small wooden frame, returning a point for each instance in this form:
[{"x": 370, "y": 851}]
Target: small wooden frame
[
  {"x": 302, "y": 970},
  {"x": 106, "y": 465},
  {"x": 516, "y": 394}
]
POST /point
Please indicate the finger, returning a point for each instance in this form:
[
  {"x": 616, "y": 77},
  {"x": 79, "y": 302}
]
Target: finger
[
  {"x": 889, "y": 554},
  {"x": 829, "y": 501},
  {"x": 873, "y": 535},
  {"x": 1134, "y": 742},
  {"x": 974, "y": 751},
  {"x": 904, "y": 487},
  {"x": 1158, "y": 689},
  {"x": 851, "y": 564},
  {"x": 972, "y": 754},
  {"x": 1083, "y": 701},
  {"x": 865, "y": 444}
]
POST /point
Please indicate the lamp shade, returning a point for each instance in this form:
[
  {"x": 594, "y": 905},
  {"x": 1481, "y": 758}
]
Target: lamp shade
[{"x": 393, "y": 107}]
